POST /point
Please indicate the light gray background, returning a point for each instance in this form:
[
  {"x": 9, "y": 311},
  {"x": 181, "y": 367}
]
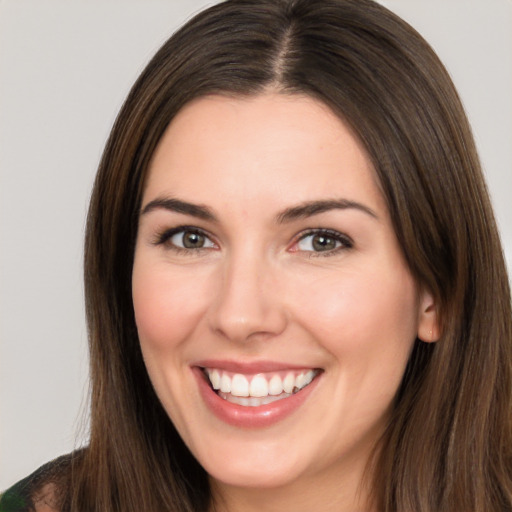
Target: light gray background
[{"x": 65, "y": 68}]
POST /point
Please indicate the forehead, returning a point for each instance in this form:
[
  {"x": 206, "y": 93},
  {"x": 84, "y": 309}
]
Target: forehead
[{"x": 286, "y": 147}]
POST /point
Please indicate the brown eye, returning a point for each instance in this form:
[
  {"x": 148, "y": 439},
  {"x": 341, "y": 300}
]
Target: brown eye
[
  {"x": 190, "y": 239},
  {"x": 323, "y": 241}
]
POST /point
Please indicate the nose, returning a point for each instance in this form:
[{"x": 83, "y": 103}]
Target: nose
[{"x": 249, "y": 304}]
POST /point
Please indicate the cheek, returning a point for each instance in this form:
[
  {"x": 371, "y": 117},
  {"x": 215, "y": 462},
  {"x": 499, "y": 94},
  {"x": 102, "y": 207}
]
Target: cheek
[
  {"x": 357, "y": 312},
  {"x": 167, "y": 305}
]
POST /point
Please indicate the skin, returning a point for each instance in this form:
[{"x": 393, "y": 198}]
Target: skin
[{"x": 258, "y": 290}]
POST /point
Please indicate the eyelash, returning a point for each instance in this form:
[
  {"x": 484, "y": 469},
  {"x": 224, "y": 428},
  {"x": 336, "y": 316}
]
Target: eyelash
[
  {"x": 165, "y": 237},
  {"x": 343, "y": 240}
]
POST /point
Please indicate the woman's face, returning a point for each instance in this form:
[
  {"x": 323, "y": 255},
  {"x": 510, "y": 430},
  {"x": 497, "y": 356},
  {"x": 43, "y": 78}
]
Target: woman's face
[{"x": 266, "y": 259}]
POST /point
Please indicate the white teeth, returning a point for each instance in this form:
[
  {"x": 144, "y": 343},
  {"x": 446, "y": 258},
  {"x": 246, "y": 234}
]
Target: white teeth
[
  {"x": 260, "y": 386},
  {"x": 299, "y": 381},
  {"x": 252, "y": 401},
  {"x": 239, "y": 385},
  {"x": 215, "y": 379},
  {"x": 289, "y": 383},
  {"x": 225, "y": 383},
  {"x": 275, "y": 386}
]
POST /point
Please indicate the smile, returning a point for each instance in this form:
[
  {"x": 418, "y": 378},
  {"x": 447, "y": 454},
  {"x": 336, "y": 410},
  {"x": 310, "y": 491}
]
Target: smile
[
  {"x": 258, "y": 389},
  {"x": 258, "y": 394}
]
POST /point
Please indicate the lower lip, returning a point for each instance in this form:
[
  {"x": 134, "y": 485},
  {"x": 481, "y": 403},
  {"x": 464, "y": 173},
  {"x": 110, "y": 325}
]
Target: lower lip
[{"x": 251, "y": 417}]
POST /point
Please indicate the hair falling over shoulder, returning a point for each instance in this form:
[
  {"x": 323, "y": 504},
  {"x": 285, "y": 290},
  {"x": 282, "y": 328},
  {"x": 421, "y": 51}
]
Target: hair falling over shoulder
[{"x": 448, "y": 445}]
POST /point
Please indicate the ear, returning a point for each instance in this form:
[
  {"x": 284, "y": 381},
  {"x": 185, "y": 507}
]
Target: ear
[{"x": 428, "y": 318}]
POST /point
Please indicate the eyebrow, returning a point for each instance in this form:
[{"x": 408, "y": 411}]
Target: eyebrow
[
  {"x": 178, "y": 206},
  {"x": 310, "y": 208},
  {"x": 301, "y": 211}
]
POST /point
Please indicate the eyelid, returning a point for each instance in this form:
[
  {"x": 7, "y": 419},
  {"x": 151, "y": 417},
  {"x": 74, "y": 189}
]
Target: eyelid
[
  {"x": 345, "y": 241},
  {"x": 162, "y": 237}
]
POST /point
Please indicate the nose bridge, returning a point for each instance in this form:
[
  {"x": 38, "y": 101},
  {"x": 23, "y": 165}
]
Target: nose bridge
[{"x": 247, "y": 305}]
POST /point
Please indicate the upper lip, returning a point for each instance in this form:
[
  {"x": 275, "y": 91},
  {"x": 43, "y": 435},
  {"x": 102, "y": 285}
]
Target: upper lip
[{"x": 250, "y": 367}]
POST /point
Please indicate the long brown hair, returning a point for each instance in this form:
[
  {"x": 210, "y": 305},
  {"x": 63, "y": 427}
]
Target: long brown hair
[{"x": 448, "y": 444}]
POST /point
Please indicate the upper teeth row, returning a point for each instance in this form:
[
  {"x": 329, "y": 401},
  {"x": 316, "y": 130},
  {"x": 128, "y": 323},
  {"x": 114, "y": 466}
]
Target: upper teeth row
[{"x": 260, "y": 385}]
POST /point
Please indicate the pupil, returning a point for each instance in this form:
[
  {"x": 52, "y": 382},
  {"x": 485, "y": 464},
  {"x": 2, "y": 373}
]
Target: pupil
[
  {"x": 193, "y": 240},
  {"x": 323, "y": 243}
]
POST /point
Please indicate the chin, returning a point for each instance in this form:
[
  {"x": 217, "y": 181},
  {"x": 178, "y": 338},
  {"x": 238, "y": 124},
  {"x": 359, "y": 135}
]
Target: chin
[
  {"x": 254, "y": 465},
  {"x": 247, "y": 475}
]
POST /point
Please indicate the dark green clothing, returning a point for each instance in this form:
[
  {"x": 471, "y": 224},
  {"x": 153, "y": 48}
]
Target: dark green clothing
[{"x": 24, "y": 495}]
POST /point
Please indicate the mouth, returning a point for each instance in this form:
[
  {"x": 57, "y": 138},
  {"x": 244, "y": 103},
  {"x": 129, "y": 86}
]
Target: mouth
[{"x": 255, "y": 390}]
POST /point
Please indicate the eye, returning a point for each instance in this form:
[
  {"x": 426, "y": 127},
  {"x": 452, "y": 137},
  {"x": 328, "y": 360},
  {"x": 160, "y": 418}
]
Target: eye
[
  {"x": 326, "y": 241},
  {"x": 184, "y": 238},
  {"x": 190, "y": 240}
]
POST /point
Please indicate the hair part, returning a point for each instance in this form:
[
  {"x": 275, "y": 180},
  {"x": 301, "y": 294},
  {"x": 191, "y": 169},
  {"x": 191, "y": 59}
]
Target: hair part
[{"x": 447, "y": 445}]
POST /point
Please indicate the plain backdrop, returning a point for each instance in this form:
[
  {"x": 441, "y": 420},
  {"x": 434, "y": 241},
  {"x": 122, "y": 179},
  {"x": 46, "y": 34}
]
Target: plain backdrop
[{"x": 65, "y": 68}]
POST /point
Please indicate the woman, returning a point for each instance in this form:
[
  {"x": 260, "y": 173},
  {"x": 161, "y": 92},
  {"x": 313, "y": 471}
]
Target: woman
[{"x": 295, "y": 289}]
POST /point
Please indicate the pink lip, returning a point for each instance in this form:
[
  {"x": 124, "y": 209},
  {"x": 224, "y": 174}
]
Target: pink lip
[
  {"x": 248, "y": 368},
  {"x": 249, "y": 417}
]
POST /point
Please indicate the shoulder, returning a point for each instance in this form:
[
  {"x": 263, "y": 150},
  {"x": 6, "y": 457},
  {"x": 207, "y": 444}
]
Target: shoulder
[{"x": 44, "y": 490}]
